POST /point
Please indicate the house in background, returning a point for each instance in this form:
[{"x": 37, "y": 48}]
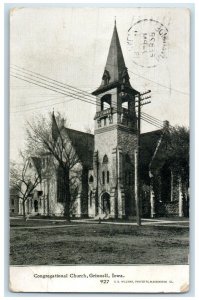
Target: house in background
[
  {"x": 14, "y": 201},
  {"x": 31, "y": 186}
]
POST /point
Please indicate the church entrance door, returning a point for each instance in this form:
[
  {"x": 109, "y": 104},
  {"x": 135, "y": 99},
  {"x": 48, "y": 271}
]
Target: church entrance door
[
  {"x": 106, "y": 203},
  {"x": 36, "y": 205}
]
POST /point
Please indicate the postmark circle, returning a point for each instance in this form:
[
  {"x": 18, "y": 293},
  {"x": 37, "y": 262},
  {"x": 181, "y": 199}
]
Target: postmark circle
[{"x": 147, "y": 42}]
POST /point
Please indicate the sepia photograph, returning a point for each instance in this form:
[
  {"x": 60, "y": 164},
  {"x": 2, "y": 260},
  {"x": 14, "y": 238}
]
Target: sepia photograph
[{"x": 99, "y": 146}]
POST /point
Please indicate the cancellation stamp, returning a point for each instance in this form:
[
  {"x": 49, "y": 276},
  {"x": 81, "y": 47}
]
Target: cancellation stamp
[{"x": 147, "y": 40}]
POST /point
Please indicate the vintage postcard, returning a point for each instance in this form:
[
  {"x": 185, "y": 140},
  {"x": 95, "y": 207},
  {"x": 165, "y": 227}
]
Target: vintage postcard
[{"x": 99, "y": 150}]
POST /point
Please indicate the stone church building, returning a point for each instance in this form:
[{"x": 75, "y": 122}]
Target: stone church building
[{"x": 105, "y": 182}]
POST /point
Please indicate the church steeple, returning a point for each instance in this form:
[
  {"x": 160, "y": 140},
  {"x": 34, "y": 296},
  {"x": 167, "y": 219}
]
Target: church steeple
[
  {"x": 115, "y": 64},
  {"x": 115, "y": 70},
  {"x": 115, "y": 136}
]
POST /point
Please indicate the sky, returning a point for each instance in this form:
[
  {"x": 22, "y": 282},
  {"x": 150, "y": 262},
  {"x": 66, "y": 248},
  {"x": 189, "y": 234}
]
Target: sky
[{"x": 71, "y": 46}]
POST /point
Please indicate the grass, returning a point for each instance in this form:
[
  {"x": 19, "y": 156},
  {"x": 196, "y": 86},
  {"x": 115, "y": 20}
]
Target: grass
[
  {"x": 97, "y": 244},
  {"x": 32, "y": 222}
]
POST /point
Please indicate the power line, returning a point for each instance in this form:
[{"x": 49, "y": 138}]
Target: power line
[
  {"x": 50, "y": 87},
  {"x": 150, "y": 118},
  {"x": 61, "y": 84},
  {"x": 157, "y": 83},
  {"x": 158, "y": 120},
  {"x": 162, "y": 85},
  {"x": 42, "y": 77},
  {"x": 153, "y": 119},
  {"x": 54, "y": 88},
  {"x": 150, "y": 122},
  {"x": 44, "y": 85},
  {"x": 31, "y": 103},
  {"x": 35, "y": 102},
  {"x": 56, "y": 103},
  {"x": 45, "y": 82}
]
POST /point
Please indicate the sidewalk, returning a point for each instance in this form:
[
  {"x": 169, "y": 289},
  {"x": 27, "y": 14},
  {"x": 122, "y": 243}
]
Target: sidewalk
[
  {"x": 145, "y": 222},
  {"x": 151, "y": 222}
]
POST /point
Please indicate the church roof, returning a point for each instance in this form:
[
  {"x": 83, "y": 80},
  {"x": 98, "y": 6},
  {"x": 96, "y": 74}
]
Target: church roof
[
  {"x": 37, "y": 164},
  {"x": 115, "y": 67},
  {"x": 83, "y": 144},
  {"x": 148, "y": 144},
  {"x": 55, "y": 129}
]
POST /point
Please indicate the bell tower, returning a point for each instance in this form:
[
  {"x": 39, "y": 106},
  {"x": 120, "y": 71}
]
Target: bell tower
[{"x": 115, "y": 137}]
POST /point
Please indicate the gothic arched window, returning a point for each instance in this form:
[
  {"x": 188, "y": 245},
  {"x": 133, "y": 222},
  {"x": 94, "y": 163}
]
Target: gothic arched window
[
  {"x": 103, "y": 177},
  {"x": 91, "y": 179},
  {"x": 107, "y": 176},
  {"x": 105, "y": 159}
]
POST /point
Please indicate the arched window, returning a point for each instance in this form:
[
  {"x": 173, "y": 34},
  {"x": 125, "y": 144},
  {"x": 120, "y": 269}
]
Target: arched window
[
  {"x": 105, "y": 159},
  {"x": 103, "y": 177},
  {"x": 106, "y": 77},
  {"x": 107, "y": 176},
  {"x": 91, "y": 179},
  {"x": 106, "y": 101}
]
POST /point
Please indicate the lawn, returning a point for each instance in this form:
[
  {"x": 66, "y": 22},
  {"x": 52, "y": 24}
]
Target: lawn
[{"x": 97, "y": 244}]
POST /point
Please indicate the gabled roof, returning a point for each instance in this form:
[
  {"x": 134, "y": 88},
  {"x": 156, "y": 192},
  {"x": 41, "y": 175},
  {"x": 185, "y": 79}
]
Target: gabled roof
[
  {"x": 148, "y": 144},
  {"x": 83, "y": 144},
  {"x": 55, "y": 129},
  {"x": 37, "y": 164}
]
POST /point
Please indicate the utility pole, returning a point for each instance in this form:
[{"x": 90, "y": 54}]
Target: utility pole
[{"x": 139, "y": 103}]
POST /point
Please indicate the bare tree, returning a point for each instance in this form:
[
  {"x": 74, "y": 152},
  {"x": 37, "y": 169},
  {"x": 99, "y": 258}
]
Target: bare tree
[
  {"x": 49, "y": 135},
  {"x": 24, "y": 183}
]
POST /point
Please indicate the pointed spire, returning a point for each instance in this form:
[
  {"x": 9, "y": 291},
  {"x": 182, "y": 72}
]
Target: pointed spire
[
  {"x": 115, "y": 71},
  {"x": 115, "y": 68},
  {"x": 55, "y": 129},
  {"x": 115, "y": 64}
]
